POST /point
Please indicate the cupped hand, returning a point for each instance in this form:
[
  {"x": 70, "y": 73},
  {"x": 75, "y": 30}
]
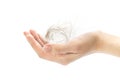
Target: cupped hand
[{"x": 63, "y": 53}]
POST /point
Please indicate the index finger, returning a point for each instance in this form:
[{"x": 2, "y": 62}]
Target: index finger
[
  {"x": 38, "y": 37},
  {"x": 35, "y": 45}
]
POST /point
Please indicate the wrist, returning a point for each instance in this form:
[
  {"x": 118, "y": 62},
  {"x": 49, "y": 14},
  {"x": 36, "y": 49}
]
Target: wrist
[
  {"x": 108, "y": 43},
  {"x": 98, "y": 41}
]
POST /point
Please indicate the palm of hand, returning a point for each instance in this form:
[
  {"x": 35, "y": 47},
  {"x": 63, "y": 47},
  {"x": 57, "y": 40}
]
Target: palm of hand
[{"x": 59, "y": 53}]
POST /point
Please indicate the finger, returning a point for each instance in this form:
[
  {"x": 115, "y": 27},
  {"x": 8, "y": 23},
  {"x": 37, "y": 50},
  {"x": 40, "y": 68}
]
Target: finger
[
  {"x": 35, "y": 35},
  {"x": 43, "y": 40},
  {"x": 55, "y": 49},
  {"x": 35, "y": 45}
]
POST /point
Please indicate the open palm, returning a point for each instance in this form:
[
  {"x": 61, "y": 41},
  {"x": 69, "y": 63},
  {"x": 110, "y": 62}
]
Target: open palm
[{"x": 61, "y": 53}]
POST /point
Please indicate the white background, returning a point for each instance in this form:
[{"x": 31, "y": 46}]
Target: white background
[{"x": 19, "y": 62}]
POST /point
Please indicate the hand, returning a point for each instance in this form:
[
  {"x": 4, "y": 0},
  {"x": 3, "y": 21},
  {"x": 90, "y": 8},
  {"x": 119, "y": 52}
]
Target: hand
[{"x": 63, "y": 53}]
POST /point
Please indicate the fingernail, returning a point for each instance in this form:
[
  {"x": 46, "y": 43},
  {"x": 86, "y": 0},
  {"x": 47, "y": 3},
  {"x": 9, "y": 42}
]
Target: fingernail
[{"x": 26, "y": 33}]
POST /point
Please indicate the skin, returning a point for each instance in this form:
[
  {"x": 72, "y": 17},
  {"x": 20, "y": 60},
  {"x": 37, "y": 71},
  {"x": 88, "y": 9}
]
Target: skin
[{"x": 80, "y": 46}]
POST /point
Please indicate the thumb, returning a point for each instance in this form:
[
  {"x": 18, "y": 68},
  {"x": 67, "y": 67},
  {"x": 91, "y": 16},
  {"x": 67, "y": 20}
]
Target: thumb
[{"x": 55, "y": 48}]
